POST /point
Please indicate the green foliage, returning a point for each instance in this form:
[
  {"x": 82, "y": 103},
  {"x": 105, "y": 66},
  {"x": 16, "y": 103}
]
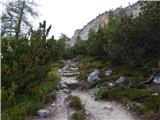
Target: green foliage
[
  {"x": 17, "y": 107},
  {"x": 27, "y": 74},
  {"x": 128, "y": 93},
  {"x": 100, "y": 92},
  {"x": 131, "y": 45},
  {"x": 15, "y": 17},
  {"x": 19, "y": 112},
  {"x": 53, "y": 74},
  {"x": 8, "y": 96},
  {"x": 153, "y": 103},
  {"x": 78, "y": 115},
  {"x": 125, "y": 40},
  {"x": 137, "y": 36},
  {"x": 84, "y": 84},
  {"x": 79, "y": 48},
  {"x": 132, "y": 96},
  {"x": 75, "y": 102}
]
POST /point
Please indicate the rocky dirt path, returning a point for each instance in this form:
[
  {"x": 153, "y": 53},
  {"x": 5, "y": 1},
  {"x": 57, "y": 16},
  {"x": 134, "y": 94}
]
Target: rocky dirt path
[
  {"x": 102, "y": 110},
  {"x": 95, "y": 110}
]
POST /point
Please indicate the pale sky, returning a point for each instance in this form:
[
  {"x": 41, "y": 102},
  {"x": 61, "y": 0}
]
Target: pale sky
[{"x": 68, "y": 15}]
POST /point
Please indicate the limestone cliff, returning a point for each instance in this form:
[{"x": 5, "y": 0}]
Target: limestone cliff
[{"x": 102, "y": 19}]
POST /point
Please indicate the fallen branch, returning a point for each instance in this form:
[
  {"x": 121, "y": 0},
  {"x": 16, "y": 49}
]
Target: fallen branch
[{"x": 148, "y": 81}]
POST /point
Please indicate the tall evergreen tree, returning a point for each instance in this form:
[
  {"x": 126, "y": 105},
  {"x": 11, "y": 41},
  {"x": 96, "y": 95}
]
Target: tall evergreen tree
[{"x": 15, "y": 17}]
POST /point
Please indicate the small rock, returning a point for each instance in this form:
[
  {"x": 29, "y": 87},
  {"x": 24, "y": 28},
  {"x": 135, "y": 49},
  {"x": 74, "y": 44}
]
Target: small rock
[
  {"x": 108, "y": 73},
  {"x": 94, "y": 76},
  {"x": 156, "y": 80},
  {"x": 87, "y": 113},
  {"x": 69, "y": 74},
  {"x": 108, "y": 108},
  {"x": 43, "y": 113},
  {"x": 74, "y": 69},
  {"x": 62, "y": 86},
  {"x": 67, "y": 91},
  {"x": 72, "y": 83},
  {"x": 59, "y": 91},
  {"x": 121, "y": 80},
  {"x": 71, "y": 113},
  {"x": 73, "y": 65},
  {"x": 111, "y": 85},
  {"x": 53, "y": 104},
  {"x": 67, "y": 98},
  {"x": 155, "y": 94}
]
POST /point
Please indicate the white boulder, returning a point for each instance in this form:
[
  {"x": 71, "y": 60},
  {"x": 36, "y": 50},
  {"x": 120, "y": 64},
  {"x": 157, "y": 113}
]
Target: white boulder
[{"x": 43, "y": 113}]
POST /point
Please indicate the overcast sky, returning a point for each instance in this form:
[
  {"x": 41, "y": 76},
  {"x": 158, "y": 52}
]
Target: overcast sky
[{"x": 68, "y": 15}]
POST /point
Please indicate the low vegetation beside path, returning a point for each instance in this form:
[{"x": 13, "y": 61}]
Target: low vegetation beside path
[
  {"x": 27, "y": 103},
  {"x": 75, "y": 103},
  {"x": 142, "y": 99}
]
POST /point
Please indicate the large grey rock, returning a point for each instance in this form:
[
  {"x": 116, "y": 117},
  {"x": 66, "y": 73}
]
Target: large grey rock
[
  {"x": 72, "y": 83},
  {"x": 156, "y": 80},
  {"x": 94, "y": 76},
  {"x": 108, "y": 73},
  {"x": 43, "y": 113}
]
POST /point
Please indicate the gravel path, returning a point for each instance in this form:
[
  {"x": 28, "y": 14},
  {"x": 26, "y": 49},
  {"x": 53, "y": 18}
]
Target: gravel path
[
  {"x": 95, "y": 110},
  {"x": 103, "y": 110}
]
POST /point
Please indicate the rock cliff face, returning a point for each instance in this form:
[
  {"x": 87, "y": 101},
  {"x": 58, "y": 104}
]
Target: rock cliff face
[
  {"x": 74, "y": 37},
  {"x": 102, "y": 19}
]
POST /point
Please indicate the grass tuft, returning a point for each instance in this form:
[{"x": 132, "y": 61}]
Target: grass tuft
[
  {"x": 75, "y": 102},
  {"x": 78, "y": 115}
]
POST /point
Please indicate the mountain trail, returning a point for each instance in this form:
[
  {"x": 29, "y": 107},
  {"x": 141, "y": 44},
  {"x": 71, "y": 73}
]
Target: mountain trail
[{"x": 95, "y": 110}]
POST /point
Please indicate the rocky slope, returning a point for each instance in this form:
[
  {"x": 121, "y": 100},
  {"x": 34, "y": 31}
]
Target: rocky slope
[{"x": 102, "y": 19}]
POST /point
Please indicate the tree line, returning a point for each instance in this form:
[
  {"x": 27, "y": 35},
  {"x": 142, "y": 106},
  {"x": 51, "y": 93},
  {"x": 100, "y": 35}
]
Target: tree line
[{"x": 125, "y": 40}]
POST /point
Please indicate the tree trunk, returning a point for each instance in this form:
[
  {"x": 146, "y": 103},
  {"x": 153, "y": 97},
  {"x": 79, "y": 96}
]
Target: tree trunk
[{"x": 18, "y": 28}]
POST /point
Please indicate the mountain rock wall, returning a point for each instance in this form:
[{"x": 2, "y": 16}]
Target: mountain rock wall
[{"x": 102, "y": 19}]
